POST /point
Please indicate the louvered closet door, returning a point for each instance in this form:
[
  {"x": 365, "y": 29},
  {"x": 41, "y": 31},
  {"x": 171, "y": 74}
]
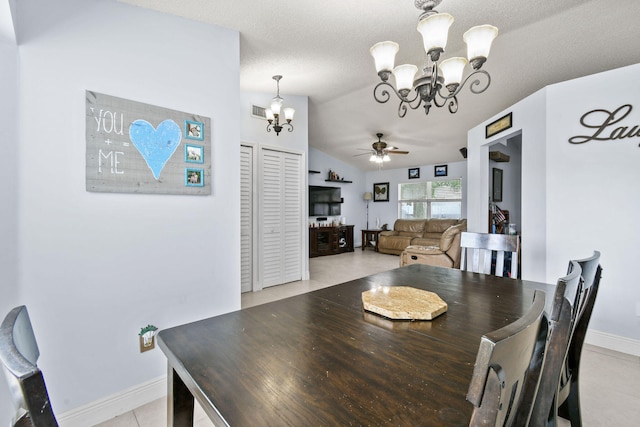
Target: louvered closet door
[
  {"x": 246, "y": 218},
  {"x": 281, "y": 203}
]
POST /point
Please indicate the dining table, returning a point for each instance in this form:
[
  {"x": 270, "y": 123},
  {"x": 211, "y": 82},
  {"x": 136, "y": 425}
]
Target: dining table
[{"x": 320, "y": 359}]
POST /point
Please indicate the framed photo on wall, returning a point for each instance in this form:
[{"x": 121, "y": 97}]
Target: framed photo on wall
[
  {"x": 414, "y": 173},
  {"x": 381, "y": 192},
  {"x": 497, "y": 185},
  {"x": 440, "y": 170}
]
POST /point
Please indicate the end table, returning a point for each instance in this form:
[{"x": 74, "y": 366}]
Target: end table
[{"x": 370, "y": 238}]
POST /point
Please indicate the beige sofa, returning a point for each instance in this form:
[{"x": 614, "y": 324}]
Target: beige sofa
[
  {"x": 415, "y": 232},
  {"x": 445, "y": 254}
]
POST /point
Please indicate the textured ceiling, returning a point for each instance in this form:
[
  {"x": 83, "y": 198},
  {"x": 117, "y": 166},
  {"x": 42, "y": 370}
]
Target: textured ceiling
[{"x": 322, "y": 50}]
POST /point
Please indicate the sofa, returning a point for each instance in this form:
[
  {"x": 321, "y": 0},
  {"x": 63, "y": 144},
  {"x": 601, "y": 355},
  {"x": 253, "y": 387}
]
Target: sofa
[
  {"x": 446, "y": 253},
  {"x": 415, "y": 232}
]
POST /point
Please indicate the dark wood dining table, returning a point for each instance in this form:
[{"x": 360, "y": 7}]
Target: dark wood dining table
[{"x": 319, "y": 359}]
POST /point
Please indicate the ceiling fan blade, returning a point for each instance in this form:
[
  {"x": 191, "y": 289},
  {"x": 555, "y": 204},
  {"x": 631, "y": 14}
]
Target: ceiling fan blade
[
  {"x": 362, "y": 154},
  {"x": 397, "y": 152}
]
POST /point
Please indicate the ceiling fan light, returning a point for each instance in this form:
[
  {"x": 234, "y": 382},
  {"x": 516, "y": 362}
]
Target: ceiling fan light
[
  {"x": 288, "y": 114},
  {"x": 479, "y": 40},
  {"x": 386, "y": 158},
  {"x": 452, "y": 70},
  {"x": 378, "y": 159},
  {"x": 435, "y": 32},
  {"x": 373, "y": 158},
  {"x": 384, "y": 55},
  {"x": 404, "y": 75}
]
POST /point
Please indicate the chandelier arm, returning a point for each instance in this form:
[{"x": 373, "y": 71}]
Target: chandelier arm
[
  {"x": 384, "y": 93},
  {"x": 453, "y": 105},
  {"x": 290, "y": 126},
  {"x": 472, "y": 86}
]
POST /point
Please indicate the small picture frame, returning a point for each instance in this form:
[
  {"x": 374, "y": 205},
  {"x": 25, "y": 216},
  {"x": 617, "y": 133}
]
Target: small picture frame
[
  {"x": 497, "y": 126},
  {"x": 194, "y": 130},
  {"x": 381, "y": 192},
  {"x": 193, "y": 153},
  {"x": 194, "y": 177},
  {"x": 497, "y": 185},
  {"x": 414, "y": 173},
  {"x": 440, "y": 170}
]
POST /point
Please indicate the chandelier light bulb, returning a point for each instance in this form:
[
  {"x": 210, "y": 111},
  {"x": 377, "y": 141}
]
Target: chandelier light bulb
[
  {"x": 384, "y": 55},
  {"x": 269, "y": 114},
  {"x": 479, "y": 40},
  {"x": 435, "y": 32},
  {"x": 288, "y": 114},
  {"x": 452, "y": 70},
  {"x": 404, "y": 75}
]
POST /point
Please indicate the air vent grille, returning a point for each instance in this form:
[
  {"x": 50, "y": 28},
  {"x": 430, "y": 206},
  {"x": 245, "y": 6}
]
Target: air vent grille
[{"x": 258, "y": 112}]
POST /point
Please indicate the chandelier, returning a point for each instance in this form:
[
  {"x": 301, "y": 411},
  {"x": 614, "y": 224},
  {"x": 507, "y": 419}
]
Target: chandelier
[
  {"x": 434, "y": 28},
  {"x": 273, "y": 113}
]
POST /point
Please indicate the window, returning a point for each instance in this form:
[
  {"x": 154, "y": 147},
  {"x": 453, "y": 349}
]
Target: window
[{"x": 430, "y": 199}]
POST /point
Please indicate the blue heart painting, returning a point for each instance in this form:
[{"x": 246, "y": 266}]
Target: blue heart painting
[{"x": 156, "y": 145}]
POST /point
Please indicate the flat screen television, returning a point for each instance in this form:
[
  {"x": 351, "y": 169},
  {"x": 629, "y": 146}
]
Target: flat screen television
[{"x": 324, "y": 201}]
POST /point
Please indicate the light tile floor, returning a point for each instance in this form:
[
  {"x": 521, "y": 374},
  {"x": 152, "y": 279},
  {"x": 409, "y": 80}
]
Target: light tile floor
[{"x": 609, "y": 381}]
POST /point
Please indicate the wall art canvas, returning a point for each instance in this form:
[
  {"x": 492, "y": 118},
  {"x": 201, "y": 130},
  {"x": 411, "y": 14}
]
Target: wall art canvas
[{"x": 133, "y": 147}]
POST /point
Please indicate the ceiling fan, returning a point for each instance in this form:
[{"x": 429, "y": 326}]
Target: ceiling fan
[{"x": 380, "y": 151}]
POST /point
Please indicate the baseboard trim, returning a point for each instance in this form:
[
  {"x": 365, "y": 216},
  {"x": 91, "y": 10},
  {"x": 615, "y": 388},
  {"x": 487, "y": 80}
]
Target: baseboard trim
[
  {"x": 613, "y": 342},
  {"x": 117, "y": 404}
]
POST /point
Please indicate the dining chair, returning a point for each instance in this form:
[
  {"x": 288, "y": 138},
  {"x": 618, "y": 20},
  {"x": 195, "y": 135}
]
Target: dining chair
[
  {"x": 478, "y": 250},
  {"x": 507, "y": 369},
  {"x": 561, "y": 321},
  {"x": 19, "y": 354},
  {"x": 569, "y": 392}
]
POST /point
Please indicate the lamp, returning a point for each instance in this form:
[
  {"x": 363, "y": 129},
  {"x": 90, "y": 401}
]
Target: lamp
[
  {"x": 367, "y": 196},
  {"x": 434, "y": 28},
  {"x": 273, "y": 113}
]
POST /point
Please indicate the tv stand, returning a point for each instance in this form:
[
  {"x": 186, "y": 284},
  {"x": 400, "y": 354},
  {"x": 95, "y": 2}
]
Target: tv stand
[{"x": 330, "y": 240}]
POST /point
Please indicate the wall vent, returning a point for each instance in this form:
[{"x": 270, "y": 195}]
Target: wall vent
[{"x": 258, "y": 112}]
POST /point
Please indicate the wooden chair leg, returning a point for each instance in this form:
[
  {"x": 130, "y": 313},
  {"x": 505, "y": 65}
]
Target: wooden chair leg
[{"x": 570, "y": 408}]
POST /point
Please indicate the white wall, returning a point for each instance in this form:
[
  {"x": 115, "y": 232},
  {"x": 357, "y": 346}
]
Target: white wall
[
  {"x": 592, "y": 196},
  {"x": 387, "y": 212},
  {"x": 577, "y": 198},
  {"x": 354, "y": 207},
  {"x": 96, "y": 267},
  {"x": 528, "y": 114},
  {"x": 254, "y": 133},
  {"x": 9, "y": 290}
]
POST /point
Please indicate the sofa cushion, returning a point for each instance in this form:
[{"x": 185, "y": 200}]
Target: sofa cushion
[
  {"x": 412, "y": 226},
  {"x": 449, "y": 234},
  {"x": 426, "y": 241},
  {"x": 439, "y": 225}
]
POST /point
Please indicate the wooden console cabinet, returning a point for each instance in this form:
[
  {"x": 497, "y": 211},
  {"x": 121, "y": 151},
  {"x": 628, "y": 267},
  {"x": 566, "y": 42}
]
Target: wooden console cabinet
[{"x": 330, "y": 240}]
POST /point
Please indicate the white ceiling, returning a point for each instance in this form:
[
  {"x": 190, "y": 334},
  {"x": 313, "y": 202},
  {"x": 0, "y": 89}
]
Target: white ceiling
[{"x": 322, "y": 50}]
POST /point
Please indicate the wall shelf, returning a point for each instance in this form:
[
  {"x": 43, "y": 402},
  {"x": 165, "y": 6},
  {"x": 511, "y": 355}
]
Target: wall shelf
[
  {"x": 497, "y": 156},
  {"x": 312, "y": 171},
  {"x": 338, "y": 180}
]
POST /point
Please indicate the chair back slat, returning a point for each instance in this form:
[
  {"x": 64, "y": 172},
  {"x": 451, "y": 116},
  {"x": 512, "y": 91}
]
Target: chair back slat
[
  {"x": 560, "y": 325},
  {"x": 507, "y": 370},
  {"x": 478, "y": 250},
  {"x": 569, "y": 392},
  {"x": 19, "y": 354}
]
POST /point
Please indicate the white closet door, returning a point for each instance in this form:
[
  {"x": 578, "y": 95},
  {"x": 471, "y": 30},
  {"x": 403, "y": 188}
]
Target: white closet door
[
  {"x": 292, "y": 219},
  {"x": 281, "y": 203},
  {"x": 246, "y": 218}
]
